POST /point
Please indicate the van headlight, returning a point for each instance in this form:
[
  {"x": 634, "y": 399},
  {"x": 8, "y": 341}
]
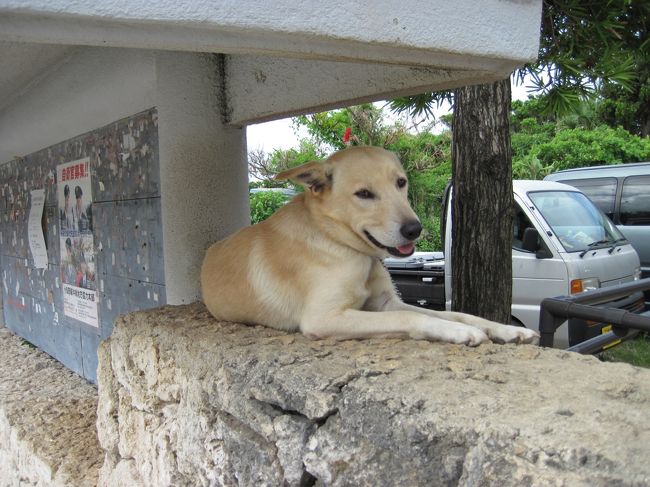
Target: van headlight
[
  {"x": 637, "y": 274},
  {"x": 581, "y": 285}
]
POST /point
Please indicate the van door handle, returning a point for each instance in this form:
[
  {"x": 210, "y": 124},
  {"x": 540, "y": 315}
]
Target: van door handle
[{"x": 427, "y": 279}]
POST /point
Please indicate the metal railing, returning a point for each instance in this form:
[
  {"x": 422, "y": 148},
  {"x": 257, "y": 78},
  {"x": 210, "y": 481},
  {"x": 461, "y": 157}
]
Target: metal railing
[{"x": 555, "y": 311}]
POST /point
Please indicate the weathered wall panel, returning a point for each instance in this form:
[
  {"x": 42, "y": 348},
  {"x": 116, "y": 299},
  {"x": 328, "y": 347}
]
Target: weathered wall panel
[
  {"x": 127, "y": 160},
  {"x": 128, "y": 239},
  {"x": 89, "y": 342},
  {"x": 120, "y": 295},
  {"x": 127, "y": 234}
]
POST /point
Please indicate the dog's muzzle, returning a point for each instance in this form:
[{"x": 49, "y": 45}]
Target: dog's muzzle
[{"x": 410, "y": 230}]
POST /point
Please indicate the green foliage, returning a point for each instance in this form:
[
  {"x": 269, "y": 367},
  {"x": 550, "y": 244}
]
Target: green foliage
[
  {"x": 579, "y": 147},
  {"x": 427, "y": 160},
  {"x": 27, "y": 344},
  {"x": 587, "y": 49},
  {"x": 263, "y": 167},
  {"x": 545, "y": 143},
  {"x": 426, "y": 189},
  {"x": 421, "y": 105},
  {"x": 258, "y": 184},
  {"x": 328, "y": 128},
  {"x": 531, "y": 108},
  {"x": 629, "y": 109},
  {"x": 286, "y": 159},
  {"x": 635, "y": 352},
  {"x": 529, "y": 167},
  {"x": 584, "y": 45},
  {"x": 430, "y": 240},
  {"x": 264, "y": 204}
]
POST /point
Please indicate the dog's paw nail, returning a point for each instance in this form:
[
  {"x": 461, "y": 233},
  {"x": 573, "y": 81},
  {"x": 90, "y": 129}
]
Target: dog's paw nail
[{"x": 475, "y": 339}]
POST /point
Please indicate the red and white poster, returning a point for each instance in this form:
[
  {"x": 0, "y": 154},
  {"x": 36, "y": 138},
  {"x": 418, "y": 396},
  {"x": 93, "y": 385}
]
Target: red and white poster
[{"x": 74, "y": 193}]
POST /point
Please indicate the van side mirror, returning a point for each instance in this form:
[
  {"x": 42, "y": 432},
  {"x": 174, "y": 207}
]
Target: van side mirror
[{"x": 531, "y": 243}]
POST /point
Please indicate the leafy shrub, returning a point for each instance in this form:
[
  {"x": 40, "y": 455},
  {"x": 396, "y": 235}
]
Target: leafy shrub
[
  {"x": 604, "y": 145},
  {"x": 426, "y": 157},
  {"x": 529, "y": 167},
  {"x": 430, "y": 240},
  {"x": 264, "y": 204}
]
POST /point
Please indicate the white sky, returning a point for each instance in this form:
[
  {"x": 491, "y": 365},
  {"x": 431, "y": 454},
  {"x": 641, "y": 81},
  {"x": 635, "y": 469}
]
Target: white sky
[{"x": 279, "y": 134}]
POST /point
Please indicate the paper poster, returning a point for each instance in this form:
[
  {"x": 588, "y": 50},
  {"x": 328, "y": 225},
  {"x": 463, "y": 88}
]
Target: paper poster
[
  {"x": 74, "y": 193},
  {"x": 35, "y": 229}
]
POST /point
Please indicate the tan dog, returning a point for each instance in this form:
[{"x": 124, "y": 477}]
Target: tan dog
[{"x": 315, "y": 265}]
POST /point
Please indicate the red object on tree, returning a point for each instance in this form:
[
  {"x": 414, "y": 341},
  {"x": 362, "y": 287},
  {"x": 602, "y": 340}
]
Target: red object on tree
[{"x": 346, "y": 136}]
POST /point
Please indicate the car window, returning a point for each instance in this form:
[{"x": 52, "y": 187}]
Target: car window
[
  {"x": 635, "y": 201},
  {"x": 575, "y": 220},
  {"x": 521, "y": 223},
  {"x": 602, "y": 191}
]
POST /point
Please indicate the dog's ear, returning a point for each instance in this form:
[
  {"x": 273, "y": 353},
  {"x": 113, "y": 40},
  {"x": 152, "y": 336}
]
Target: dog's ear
[{"x": 315, "y": 175}]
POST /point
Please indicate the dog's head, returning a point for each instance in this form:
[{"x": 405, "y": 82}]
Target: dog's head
[{"x": 364, "y": 191}]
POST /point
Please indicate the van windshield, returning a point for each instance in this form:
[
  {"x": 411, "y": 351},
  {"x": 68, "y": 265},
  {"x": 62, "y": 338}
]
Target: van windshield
[{"x": 575, "y": 220}]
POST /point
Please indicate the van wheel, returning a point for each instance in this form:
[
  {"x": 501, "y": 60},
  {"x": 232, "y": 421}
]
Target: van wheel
[{"x": 515, "y": 322}]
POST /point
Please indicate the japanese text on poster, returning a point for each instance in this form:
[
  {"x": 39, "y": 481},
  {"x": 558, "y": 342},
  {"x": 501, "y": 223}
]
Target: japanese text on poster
[{"x": 74, "y": 193}]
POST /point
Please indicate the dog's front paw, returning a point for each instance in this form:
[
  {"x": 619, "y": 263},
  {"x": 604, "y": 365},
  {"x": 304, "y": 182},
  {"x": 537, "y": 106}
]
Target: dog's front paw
[
  {"x": 472, "y": 337},
  {"x": 514, "y": 334},
  {"x": 450, "y": 332}
]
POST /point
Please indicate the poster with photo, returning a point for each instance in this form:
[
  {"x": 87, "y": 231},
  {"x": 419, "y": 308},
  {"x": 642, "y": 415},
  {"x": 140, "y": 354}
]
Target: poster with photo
[{"x": 77, "y": 245}]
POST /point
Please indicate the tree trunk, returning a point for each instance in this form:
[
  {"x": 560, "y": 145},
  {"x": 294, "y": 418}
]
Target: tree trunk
[{"x": 481, "y": 254}]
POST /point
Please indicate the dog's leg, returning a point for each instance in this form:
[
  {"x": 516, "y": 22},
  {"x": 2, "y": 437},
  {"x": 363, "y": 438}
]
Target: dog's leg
[
  {"x": 383, "y": 297},
  {"x": 352, "y": 323},
  {"x": 497, "y": 332}
]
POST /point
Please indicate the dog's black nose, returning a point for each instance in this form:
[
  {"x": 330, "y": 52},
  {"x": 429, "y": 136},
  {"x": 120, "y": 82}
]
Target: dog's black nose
[{"x": 411, "y": 230}]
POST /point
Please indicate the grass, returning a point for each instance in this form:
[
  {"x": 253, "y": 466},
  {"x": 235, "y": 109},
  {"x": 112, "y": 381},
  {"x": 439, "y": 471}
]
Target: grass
[
  {"x": 634, "y": 352},
  {"x": 27, "y": 344}
]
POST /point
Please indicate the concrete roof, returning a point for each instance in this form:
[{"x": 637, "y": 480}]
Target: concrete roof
[{"x": 489, "y": 38}]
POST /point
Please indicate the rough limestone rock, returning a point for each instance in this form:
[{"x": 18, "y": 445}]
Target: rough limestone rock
[
  {"x": 187, "y": 400},
  {"x": 47, "y": 420}
]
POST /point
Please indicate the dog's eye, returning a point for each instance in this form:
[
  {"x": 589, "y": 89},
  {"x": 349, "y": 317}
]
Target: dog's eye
[
  {"x": 401, "y": 182},
  {"x": 365, "y": 194}
]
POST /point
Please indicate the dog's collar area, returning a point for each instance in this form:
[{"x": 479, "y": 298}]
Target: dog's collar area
[{"x": 402, "y": 251}]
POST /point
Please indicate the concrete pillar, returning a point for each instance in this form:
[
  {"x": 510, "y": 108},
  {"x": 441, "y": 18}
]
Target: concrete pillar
[{"x": 203, "y": 172}]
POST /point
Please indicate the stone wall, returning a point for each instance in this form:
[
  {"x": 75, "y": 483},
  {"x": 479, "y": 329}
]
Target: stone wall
[
  {"x": 186, "y": 400},
  {"x": 47, "y": 420}
]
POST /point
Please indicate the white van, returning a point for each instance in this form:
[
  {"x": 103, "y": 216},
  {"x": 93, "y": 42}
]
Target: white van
[
  {"x": 622, "y": 192},
  {"x": 562, "y": 244}
]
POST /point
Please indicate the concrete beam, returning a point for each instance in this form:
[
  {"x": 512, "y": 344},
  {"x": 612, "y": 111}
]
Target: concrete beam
[
  {"x": 455, "y": 35},
  {"x": 259, "y": 89}
]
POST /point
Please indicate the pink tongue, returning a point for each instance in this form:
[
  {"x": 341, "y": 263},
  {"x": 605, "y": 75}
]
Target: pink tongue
[{"x": 406, "y": 249}]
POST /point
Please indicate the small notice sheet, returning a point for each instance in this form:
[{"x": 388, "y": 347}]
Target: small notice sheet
[{"x": 35, "y": 229}]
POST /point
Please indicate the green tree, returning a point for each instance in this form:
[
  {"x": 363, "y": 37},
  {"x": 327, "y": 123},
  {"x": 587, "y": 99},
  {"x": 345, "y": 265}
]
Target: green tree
[
  {"x": 586, "y": 49},
  {"x": 583, "y": 45},
  {"x": 264, "y": 204},
  {"x": 482, "y": 203},
  {"x": 366, "y": 122},
  {"x": 544, "y": 143},
  {"x": 263, "y": 167},
  {"x": 629, "y": 109}
]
